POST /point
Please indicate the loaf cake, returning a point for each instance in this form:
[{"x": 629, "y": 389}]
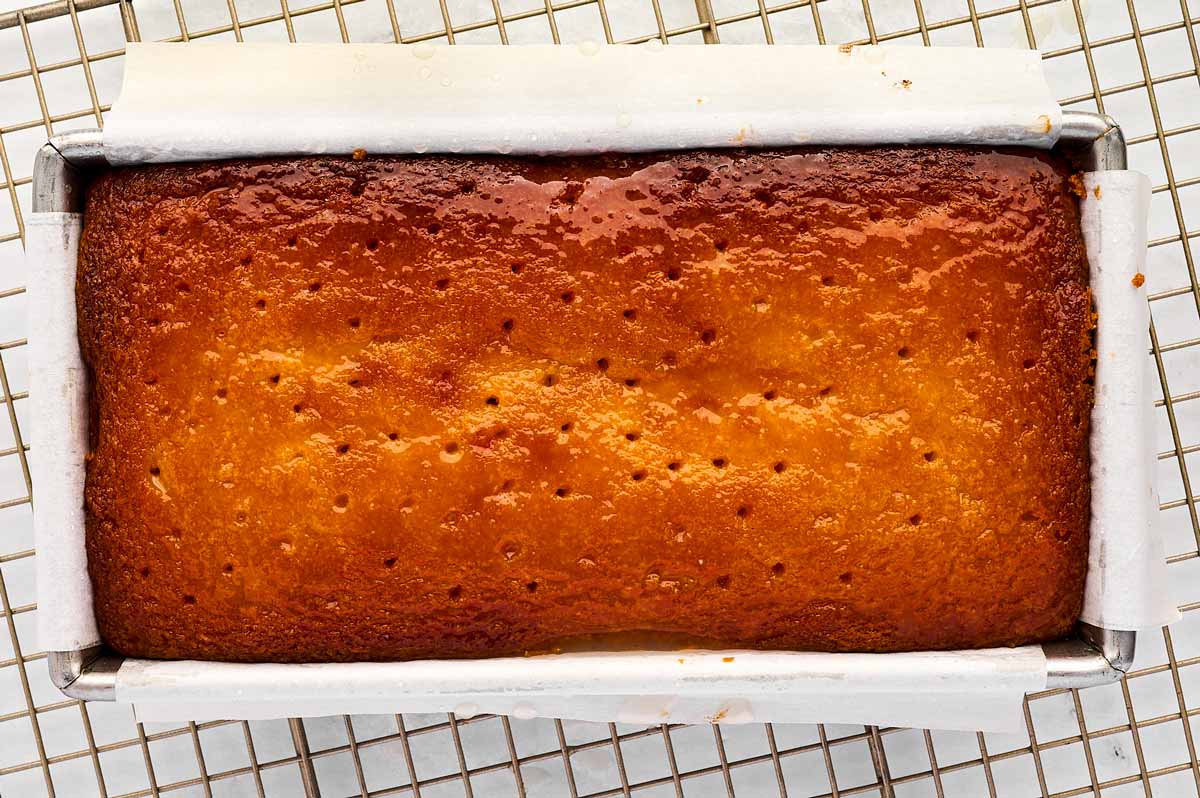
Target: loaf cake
[{"x": 823, "y": 399}]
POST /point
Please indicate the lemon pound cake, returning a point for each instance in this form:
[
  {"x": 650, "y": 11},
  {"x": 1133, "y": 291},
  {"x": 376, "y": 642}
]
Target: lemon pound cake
[{"x": 826, "y": 399}]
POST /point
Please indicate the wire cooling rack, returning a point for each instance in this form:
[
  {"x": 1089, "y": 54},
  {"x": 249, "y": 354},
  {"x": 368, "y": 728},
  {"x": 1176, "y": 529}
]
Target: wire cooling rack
[{"x": 60, "y": 67}]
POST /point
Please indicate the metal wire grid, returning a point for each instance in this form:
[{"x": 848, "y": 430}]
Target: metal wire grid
[{"x": 1134, "y": 738}]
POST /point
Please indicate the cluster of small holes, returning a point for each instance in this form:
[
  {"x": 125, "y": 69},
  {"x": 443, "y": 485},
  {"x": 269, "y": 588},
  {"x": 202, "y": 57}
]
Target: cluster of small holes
[{"x": 707, "y": 336}]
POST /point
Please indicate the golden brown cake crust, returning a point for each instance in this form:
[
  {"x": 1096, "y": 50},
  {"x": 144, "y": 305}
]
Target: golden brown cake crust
[{"x": 818, "y": 399}]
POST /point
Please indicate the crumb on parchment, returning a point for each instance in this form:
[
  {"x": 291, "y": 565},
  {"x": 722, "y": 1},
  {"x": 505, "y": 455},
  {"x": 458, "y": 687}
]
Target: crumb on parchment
[
  {"x": 1096, "y": 191},
  {"x": 1138, "y": 280},
  {"x": 1075, "y": 182},
  {"x": 359, "y": 154}
]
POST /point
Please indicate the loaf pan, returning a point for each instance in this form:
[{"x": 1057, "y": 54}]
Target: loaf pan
[{"x": 1094, "y": 655}]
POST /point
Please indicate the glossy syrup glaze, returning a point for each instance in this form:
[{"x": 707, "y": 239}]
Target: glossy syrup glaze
[{"x": 818, "y": 399}]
